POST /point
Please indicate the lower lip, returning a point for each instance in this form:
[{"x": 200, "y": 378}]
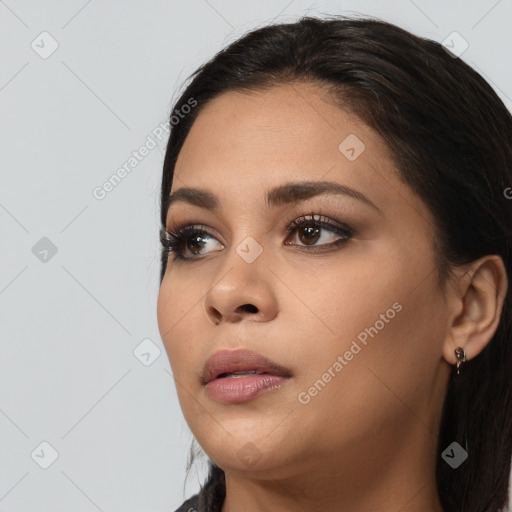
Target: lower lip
[{"x": 242, "y": 389}]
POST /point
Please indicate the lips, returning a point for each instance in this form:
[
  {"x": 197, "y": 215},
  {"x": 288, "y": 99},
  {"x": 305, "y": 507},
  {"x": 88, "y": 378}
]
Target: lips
[{"x": 229, "y": 363}]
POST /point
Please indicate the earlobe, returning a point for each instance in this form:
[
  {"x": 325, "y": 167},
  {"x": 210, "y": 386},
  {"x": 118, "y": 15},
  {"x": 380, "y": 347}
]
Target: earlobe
[{"x": 479, "y": 303}]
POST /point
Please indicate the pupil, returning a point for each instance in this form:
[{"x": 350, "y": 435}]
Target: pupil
[
  {"x": 194, "y": 239},
  {"x": 312, "y": 233}
]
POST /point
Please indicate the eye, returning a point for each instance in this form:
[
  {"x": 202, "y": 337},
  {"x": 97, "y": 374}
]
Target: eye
[
  {"x": 308, "y": 230},
  {"x": 187, "y": 242},
  {"x": 190, "y": 238}
]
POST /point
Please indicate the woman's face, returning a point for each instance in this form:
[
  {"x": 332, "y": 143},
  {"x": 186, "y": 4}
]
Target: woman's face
[{"x": 359, "y": 325}]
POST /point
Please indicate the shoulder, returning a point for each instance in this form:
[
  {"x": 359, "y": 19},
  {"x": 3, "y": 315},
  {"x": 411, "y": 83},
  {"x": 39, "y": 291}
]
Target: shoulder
[{"x": 190, "y": 505}]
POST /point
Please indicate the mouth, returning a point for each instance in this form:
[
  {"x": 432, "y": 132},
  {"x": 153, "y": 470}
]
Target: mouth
[
  {"x": 239, "y": 374},
  {"x": 238, "y": 363},
  {"x": 235, "y": 376}
]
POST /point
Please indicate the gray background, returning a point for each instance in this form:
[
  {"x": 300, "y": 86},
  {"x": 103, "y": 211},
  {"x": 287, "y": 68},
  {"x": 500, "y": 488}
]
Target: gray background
[{"x": 71, "y": 321}]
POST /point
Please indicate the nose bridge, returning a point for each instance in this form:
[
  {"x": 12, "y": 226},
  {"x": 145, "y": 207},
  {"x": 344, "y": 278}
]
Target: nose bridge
[
  {"x": 246, "y": 259},
  {"x": 246, "y": 252},
  {"x": 241, "y": 286}
]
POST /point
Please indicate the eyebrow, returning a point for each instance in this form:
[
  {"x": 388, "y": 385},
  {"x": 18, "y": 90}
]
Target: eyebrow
[{"x": 283, "y": 194}]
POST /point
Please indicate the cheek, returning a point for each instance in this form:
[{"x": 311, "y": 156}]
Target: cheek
[
  {"x": 379, "y": 290},
  {"x": 380, "y": 314},
  {"x": 388, "y": 335},
  {"x": 177, "y": 309}
]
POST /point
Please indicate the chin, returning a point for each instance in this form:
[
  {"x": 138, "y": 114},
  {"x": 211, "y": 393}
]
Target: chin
[{"x": 242, "y": 445}]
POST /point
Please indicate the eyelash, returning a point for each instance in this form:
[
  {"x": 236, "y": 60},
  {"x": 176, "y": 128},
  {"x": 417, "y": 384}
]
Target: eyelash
[{"x": 173, "y": 241}]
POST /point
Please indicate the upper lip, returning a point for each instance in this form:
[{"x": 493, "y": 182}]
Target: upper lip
[{"x": 226, "y": 361}]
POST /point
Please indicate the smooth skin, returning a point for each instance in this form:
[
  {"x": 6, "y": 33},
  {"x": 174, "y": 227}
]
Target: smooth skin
[{"x": 367, "y": 440}]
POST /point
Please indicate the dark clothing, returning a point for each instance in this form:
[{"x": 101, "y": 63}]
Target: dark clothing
[
  {"x": 190, "y": 505},
  {"x": 211, "y": 496}
]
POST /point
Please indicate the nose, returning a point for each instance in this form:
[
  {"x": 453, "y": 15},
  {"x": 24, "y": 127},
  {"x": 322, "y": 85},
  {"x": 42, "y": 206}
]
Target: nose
[{"x": 241, "y": 291}]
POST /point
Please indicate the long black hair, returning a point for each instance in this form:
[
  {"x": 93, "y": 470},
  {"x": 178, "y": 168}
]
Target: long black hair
[{"x": 451, "y": 139}]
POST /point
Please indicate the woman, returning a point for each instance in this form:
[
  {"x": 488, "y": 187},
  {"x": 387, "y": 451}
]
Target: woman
[{"x": 334, "y": 289}]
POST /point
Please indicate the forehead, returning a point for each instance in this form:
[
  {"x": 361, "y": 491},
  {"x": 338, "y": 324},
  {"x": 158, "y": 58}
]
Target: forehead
[
  {"x": 299, "y": 119},
  {"x": 253, "y": 141}
]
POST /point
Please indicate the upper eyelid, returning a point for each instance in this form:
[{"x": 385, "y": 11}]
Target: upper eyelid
[
  {"x": 294, "y": 213},
  {"x": 321, "y": 219}
]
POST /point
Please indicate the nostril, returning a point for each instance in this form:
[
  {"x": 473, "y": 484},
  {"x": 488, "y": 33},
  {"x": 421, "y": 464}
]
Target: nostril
[
  {"x": 214, "y": 316},
  {"x": 249, "y": 308}
]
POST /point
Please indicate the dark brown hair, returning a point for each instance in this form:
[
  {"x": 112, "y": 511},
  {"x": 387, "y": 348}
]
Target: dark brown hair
[{"x": 451, "y": 138}]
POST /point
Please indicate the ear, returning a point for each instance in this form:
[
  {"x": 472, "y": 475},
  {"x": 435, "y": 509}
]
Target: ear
[{"x": 476, "y": 304}]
